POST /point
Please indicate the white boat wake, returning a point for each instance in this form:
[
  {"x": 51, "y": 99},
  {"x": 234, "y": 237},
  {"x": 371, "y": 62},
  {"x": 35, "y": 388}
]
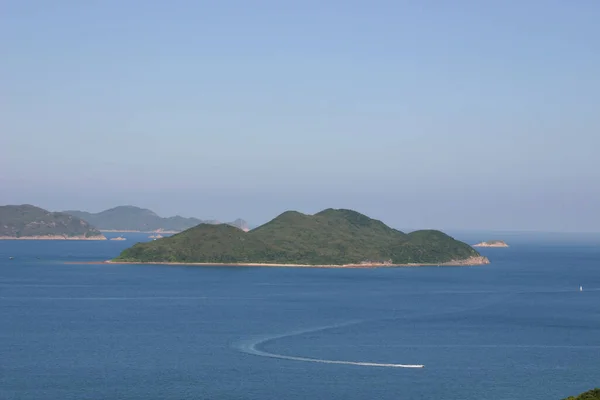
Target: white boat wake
[{"x": 251, "y": 347}]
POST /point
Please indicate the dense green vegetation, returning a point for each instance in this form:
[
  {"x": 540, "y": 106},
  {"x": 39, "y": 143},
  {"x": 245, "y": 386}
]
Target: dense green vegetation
[
  {"x": 27, "y": 220},
  {"x": 131, "y": 218},
  {"x": 329, "y": 237},
  {"x": 593, "y": 394}
]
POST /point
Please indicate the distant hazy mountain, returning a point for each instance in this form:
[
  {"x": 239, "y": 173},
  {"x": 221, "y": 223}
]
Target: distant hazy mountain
[
  {"x": 131, "y": 218},
  {"x": 240, "y": 223},
  {"x": 29, "y": 222}
]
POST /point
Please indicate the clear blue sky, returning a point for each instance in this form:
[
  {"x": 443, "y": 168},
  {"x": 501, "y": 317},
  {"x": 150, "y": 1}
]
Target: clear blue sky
[{"x": 425, "y": 114}]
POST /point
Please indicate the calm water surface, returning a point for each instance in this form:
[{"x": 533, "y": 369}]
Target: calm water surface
[{"x": 516, "y": 329}]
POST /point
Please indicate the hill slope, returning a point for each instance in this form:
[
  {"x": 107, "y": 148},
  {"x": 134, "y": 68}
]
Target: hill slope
[
  {"x": 27, "y": 221},
  {"x": 593, "y": 394},
  {"x": 131, "y": 218},
  {"x": 331, "y": 237}
]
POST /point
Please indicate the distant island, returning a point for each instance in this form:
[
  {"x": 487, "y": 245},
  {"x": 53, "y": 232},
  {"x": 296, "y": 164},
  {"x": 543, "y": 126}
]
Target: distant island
[
  {"x": 491, "y": 243},
  {"x": 29, "y": 222},
  {"x": 593, "y": 394},
  {"x": 136, "y": 219},
  {"x": 333, "y": 237}
]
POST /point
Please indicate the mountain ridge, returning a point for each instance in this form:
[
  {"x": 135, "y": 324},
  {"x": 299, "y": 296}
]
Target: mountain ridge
[{"x": 136, "y": 219}]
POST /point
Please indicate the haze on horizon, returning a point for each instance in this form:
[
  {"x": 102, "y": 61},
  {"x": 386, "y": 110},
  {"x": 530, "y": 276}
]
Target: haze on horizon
[{"x": 422, "y": 114}]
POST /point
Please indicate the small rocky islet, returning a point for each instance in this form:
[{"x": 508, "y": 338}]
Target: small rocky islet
[{"x": 491, "y": 243}]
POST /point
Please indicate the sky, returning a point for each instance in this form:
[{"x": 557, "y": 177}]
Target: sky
[{"x": 425, "y": 114}]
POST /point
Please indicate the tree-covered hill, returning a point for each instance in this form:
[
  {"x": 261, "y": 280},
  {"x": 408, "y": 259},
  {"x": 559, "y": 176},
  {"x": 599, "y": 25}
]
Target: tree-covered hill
[
  {"x": 26, "y": 221},
  {"x": 331, "y": 237}
]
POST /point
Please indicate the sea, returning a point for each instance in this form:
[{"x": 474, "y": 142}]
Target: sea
[{"x": 518, "y": 328}]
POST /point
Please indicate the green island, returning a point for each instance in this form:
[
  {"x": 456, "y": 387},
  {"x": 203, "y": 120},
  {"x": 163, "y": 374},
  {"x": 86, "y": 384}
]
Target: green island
[
  {"x": 136, "y": 219},
  {"x": 333, "y": 237},
  {"x": 593, "y": 394},
  {"x": 29, "y": 222}
]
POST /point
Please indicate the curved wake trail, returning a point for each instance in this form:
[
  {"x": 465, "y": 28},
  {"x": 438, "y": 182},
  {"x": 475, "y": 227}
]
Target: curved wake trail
[{"x": 251, "y": 347}]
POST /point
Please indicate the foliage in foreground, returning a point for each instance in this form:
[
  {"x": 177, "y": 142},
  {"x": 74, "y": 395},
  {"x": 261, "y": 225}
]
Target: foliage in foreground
[{"x": 593, "y": 394}]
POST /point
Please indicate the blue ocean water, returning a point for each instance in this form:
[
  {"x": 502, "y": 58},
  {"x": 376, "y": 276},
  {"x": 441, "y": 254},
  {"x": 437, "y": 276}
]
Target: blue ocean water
[{"x": 518, "y": 328}]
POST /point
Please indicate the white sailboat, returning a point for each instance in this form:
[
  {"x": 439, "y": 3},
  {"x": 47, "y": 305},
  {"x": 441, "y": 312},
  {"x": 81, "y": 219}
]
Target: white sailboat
[{"x": 581, "y": 288}]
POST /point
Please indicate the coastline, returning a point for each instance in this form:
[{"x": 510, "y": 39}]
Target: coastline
[
  {"x": 490, "y": 245},
  {"x": 471, "y": 261},
  {"x": 53, "y": 237}
]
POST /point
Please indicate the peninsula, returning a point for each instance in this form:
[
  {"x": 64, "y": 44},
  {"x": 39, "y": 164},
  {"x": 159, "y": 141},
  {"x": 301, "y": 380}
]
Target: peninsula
[
  {"x": 21, "y": 222},
  {"x": 330, "y": 238},
  {"x": 491, "y": 243},
  {"x": 136, "y": 219}
]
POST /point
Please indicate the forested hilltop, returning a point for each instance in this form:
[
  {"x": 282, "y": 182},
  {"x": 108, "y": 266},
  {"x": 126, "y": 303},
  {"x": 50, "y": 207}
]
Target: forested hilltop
[
  {"x": 29, "y": 222},
  {"x": 331, "y": 237},
  {"x": 131, "y": 218}
]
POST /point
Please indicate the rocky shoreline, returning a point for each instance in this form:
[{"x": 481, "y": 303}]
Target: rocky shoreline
[
  {"x": 471, "y": 261},
  {"x": 53, "y": 237}
]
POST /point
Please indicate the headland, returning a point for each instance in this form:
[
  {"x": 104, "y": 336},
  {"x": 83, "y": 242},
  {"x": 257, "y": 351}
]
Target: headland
[{"x": 27, "y": 222}]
